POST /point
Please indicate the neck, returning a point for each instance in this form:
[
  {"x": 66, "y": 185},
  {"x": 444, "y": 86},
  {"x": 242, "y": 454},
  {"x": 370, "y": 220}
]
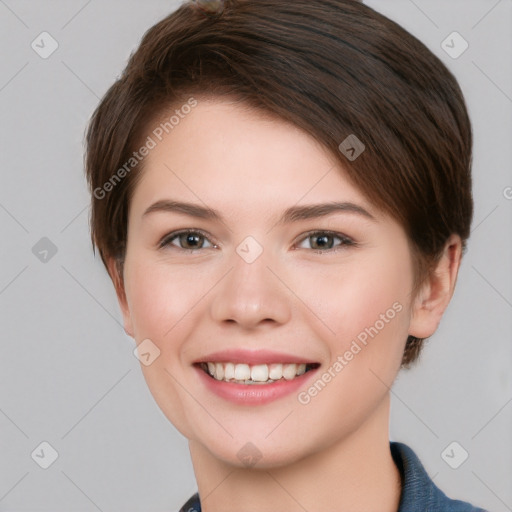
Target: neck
[{"x": 357, "y": 473}]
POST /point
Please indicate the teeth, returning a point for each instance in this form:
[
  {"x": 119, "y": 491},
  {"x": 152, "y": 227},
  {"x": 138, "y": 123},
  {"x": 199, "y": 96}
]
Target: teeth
[
  {"x": 242, "y": 372},
  {"x": 289, "y": 371},
  {"x": 219, "y": 371},
  {"x": 229, "y": 371},
  {"x": 257, "y": 374},
  {"x": 275, "y": 371}
]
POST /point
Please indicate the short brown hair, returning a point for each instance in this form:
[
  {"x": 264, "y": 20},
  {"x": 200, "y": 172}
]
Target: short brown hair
[{"x": 331, "y": 67}]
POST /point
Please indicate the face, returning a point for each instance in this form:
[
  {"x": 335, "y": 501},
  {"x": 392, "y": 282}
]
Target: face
[{"x": 249, "y": 249}]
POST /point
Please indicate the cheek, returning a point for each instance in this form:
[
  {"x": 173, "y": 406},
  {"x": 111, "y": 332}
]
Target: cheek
[
  {"x": 160, "y": 297},
  {"x": 366, "y": 305},
  {"x": 162, "y": 302},
  {"x": 363, "y": 302}
]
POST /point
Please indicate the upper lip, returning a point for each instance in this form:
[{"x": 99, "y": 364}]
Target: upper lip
[{"x": 252, "y": 357}]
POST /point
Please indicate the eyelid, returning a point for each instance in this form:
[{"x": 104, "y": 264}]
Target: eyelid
[
  {"x": 166, "y": 239},
  {"x": 346, "y": 240}
]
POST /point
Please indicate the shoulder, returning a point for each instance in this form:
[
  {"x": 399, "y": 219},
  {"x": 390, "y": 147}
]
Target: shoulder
[
  {"x": 192, "y": 505},
  {"x": 419, "y": 493}
]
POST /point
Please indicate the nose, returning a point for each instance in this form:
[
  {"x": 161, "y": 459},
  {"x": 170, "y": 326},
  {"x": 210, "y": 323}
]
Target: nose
[{"x": 251, "y": 294}]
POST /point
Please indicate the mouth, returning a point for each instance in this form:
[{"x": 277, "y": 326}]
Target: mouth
[{"x": 255, "y": 374}]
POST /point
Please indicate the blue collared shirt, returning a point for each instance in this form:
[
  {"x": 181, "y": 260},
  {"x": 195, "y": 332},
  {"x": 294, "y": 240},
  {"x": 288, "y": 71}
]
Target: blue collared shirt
[{"x": 419, "y": 493}]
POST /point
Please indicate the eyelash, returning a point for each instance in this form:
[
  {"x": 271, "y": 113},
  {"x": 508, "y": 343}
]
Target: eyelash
[{"x": 345, "y": 241}]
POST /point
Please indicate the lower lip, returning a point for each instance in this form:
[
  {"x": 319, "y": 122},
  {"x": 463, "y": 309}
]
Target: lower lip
[{"x": 253, "y": 394}]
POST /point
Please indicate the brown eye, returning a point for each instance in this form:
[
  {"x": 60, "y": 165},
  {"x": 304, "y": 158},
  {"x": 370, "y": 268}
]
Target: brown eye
[
  {"x": 325, "y": 241},
  {"x": 191, "y": 241},
  {"x": 322, "y": 241},
  {"x": 186, "y": 240}
]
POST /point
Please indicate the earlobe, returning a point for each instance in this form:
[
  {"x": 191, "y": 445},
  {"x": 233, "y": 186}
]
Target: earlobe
[
  {"x": 437, "y": 291},
  {"x": 115, "y": 272}
]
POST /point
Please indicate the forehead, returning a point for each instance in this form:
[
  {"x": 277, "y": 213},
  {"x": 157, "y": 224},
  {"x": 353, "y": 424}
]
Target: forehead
[{"x": 225, "y": 151}]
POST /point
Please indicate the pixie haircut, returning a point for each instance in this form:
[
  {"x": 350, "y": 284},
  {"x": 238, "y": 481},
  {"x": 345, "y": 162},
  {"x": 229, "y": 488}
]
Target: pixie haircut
[{"x": 333, "y": 68}]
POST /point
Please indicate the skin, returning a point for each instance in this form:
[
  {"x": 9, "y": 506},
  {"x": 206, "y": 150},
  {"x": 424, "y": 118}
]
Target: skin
[{"x": 295, "y": 298}]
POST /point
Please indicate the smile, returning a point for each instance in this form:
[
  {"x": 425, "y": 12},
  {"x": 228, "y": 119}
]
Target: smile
[{"x": 242, "y": 373}]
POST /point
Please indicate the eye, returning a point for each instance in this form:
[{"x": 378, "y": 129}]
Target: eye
[
  {"x": 324, "y": 241},
  {"x": 188, "y": 240}
]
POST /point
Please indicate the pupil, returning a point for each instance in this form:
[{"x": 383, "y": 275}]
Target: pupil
[
  {"x": 323, "y": 241},
  {"x": 191, "y": 239}
]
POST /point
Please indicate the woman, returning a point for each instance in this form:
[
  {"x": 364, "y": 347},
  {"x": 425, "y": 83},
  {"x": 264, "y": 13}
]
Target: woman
[{"x": 282, "y": 197}]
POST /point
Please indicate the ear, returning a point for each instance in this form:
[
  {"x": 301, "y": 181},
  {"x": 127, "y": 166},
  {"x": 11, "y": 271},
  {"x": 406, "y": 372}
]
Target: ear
[
  {"x": 435, "y": 294},
  {"x": 116, "y": 274}
]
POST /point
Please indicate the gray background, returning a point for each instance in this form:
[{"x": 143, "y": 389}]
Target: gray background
[{"x": 67, "y": 372}]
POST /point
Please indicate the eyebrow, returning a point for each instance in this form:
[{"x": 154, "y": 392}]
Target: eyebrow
[{"x": 292, "y": 214}]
